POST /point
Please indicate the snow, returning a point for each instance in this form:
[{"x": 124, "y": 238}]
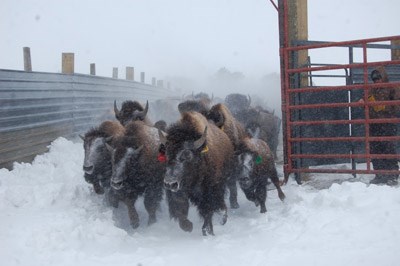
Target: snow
[{"x": 51, "y": 216}]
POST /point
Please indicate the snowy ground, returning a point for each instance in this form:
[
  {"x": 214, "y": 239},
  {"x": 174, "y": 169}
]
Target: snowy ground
[{"x": 51, "y": 216}]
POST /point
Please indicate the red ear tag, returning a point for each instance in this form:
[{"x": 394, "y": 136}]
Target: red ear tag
[{"x": 161, "y": 157}]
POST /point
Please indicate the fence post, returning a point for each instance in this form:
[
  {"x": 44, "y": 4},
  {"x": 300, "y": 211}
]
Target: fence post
[
  {"x": 27, "y": 59},
  {"x": 142, "y": 77},
  {"x": 92, "y": 69},
  {"x": 67, "y": 63},
  {"x": 129, "y": 73},
  {"x": 395, "y": 52},
  {"x": 115, "y": 73},
  {"x": 153, "y": 81}
]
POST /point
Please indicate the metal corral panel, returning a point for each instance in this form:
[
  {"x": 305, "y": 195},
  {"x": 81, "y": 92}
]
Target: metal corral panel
[{"x": 36, "y": 108}]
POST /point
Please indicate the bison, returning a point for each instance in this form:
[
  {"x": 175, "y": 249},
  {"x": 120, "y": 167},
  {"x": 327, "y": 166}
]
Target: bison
[
  {"x": 257, "y": 165},
  {"x": 223, "y": 118},
  {"x": 97, "y": 160},
  {"x": 193, "y": 105},
  {"x": 258, "y": 122},
  {"x": 136, "y": 170},
  {"x": 131, "y": 111},
  {"x": 263, "y": 125},
  {"x": 199, "y": 158}
]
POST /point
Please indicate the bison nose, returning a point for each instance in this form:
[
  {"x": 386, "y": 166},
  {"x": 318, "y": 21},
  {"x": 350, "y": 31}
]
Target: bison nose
[
  {"x": 88, "y": 169},
  {"x": 117, "y": 185},
  {"x": 173, "y": 186}
]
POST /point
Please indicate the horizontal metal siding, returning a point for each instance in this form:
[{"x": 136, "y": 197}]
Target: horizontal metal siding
[{"x": 37, "y": 107}]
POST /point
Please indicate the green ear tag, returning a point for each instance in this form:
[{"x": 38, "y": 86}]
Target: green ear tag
[{"x": 258, "y": 159}]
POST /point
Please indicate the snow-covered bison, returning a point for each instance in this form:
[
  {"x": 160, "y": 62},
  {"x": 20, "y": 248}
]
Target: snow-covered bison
[
  {"x": 199, "y": 158},
  {"x": 97, "y": 160},
  {"x": 136, "y": 170},
  {"x": 257, "y": 165}
]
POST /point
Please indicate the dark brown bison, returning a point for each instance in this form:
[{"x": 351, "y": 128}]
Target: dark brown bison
[
  {"x": 262, "y": 125},
  {"x": 237, "y": 102},
  {"x": 257, "y": 165},
  {"x": 223, "y": 118},
  {"x": 199, "y": 158},
  {"x": 131, "y": 111},
  {"x": 97, "y": 161},
  {"x": 258, "y": 122},
  {"x": 193, "y": 105},
  {"x": 136, "y": 170}
]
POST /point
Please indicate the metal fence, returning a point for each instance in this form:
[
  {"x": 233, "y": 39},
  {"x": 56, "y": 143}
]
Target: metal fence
[{"x": 37, "y": 107}]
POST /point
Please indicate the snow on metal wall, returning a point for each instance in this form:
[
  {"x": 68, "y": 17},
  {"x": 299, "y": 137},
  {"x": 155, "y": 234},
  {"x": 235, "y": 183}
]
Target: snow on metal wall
[{"x": 37, "y": 107}]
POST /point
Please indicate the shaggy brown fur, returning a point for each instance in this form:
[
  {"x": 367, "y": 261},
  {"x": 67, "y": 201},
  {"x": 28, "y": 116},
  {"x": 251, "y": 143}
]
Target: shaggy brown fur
[
  {"x": 197, "y": 173},
  {"x": 224, "y": 119},
  {"x": 136, "y": 170}
]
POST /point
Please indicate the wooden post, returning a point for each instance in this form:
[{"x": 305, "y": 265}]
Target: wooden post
[
  {"x": 160, "y": 83},
  {"x": 298, "y": 31},
  {"x": 153, "y": 81},
  {"x": 92, "y": 69},
  {"x": 395, "y": 52},
  {"x": 68, "y": 63},
  {"x": 115, "y": 73},
  {"x": 129, "y": 73},
  {"x": 142, "y": 77},
  {"x": 27, "y": 59}
]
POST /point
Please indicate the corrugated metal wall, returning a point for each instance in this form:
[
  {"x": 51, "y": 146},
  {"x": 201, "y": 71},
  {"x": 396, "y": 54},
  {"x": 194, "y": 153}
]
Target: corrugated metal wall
[{"x": 36, "y": 108}]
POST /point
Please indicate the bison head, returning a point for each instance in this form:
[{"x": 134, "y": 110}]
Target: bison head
[
  {"x": 96, "y": 164},
  {"x": 237, "y": 102},
  {"x": 124, "y": 158},
  {"x": 130, "y": 111},
  {"x": 246, "y": 163},
  {"x": 180, "y": 156}
]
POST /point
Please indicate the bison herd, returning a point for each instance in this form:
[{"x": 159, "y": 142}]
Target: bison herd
[{"x": 196, "y": 160}]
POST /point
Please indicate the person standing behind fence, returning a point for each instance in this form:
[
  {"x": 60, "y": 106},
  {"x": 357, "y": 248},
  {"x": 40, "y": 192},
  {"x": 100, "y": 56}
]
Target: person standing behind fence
[{"x": 379, "y": 75}]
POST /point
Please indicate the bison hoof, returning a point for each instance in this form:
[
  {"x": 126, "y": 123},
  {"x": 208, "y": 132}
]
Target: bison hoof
[
  {"x": 135, "y": 224},
  {"x": 151, "y": 221},
  {"x": 234, "y": 205},
  {"x": 98, "y": 189},
  {"x": 263, "y": 210},
  {"x": 224, "y": 219},
  {"x": 207, "y": 231},
  {"x": 186, "y": 225}
]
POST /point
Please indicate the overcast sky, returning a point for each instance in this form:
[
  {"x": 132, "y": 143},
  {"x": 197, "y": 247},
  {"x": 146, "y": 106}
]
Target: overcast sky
[{"x": 192, "y": 38}]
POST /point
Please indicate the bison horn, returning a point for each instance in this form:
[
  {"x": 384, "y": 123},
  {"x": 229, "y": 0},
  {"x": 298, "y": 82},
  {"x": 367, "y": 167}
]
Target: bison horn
[
  {"x": 163, "y": 138},
  {"x": 82, "y": 137},
  {"x": 138, "y": 149},
  {"x": 116, "y": 111},
  {"x": 143, "y": 114},
  {"x": 109, "y": 147},
  {"x": 198, "y": 143},
  {"x": 249, "y": 102}
]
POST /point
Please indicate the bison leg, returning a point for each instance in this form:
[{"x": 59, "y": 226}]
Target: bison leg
[
  {"x": 261, "y": 197},
  {"x": 233, "y": 193},
  {"x": 111, "y": 198},
  {"x": 207, "y": 228},
  {"x": 224, "y": 216},
  {"x": 273, "y": 175},
  {"x": 178, "y": 204},
  {"x": 152, "y": 200},
  {"x": 133, "y": 215},
  {"x": 97, "y": 188}
]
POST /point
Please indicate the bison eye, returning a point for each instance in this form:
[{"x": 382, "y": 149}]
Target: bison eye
[{"x": 186, "y": 155}]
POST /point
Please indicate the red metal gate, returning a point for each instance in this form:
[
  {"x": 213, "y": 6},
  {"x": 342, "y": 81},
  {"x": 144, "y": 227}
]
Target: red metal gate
[{"x": 292, "y": 91}]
